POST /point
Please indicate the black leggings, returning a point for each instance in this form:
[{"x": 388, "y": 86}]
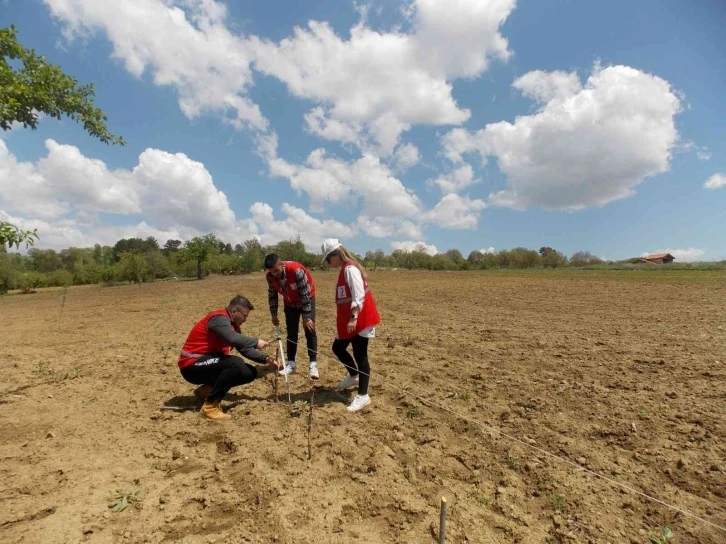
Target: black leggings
[
  {"x": 292, "y": 324},
  {"x": 360, "y": 353},
  {"x": 222, "y": 372}
]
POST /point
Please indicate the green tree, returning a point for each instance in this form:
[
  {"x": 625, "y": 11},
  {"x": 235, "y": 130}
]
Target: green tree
[
  {"x": 60, "y": 278},
  {"x": 294, "y": 250},
  {"x": 45, "y": 260},
  {"x": 475, "y": 258},
  {"x": 157, "y": 265},
  {"x": 442, "y": 261},
  {"x": 30, "y": 84},
  {"x": 252, "y": 254},
  {"x": 379, "y": 258},
  {"x": 132, "y": 267},
  {"x": 584, "y": 258},
  {"x": 199, "y": 248},
  {"x": 31, "y": 280},
  {"x": 12, "y": 235},
  {"x": 7, "y": 274},
  {"x": 374, "y": 259},
  {"x": 455, "y": 256},
  {"x": 419, "y": 258},
  {"x": 103, "y": 255},
  {"x": 551, "y": 258},
  {"x": 519, "y": 257},
  {"x": 134, "y": 245},
  {"x": 171, "y": 246}
]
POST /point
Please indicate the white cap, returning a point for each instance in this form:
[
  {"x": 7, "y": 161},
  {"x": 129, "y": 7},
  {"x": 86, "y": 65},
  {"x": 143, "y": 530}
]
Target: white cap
[{"x": 329, "y": 245}]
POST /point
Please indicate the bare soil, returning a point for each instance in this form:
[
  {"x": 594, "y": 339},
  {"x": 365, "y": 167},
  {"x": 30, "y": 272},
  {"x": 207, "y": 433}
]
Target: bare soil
[{"x": 621, "y": 373}]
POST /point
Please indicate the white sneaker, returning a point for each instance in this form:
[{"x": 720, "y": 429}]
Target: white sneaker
[
  {"x": 288, "y": 369},
  {"x": 314, "y": 374},
  {"x": 360, "y": 401},
  {"x": 349, "y": 381}
]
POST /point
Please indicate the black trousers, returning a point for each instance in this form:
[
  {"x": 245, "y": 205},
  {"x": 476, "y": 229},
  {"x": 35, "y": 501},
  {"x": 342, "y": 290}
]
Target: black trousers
[
  {"x": 292, "y": 323},
  {"x": 222, "y": 372},
  {"x": 360, "y": 354}
]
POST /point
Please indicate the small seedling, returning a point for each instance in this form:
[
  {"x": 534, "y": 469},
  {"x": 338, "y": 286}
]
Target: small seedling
[
  {"x": 512, "y": 461},
  {"x": 76, "y": 373},
  {"x": 124, "y": 498},
  {"x": 558, "y": 502},
  {"x": 63, "y": 304},
  {"x": 412, "y": 412},
  {"x": 464, "y": 395},
  {"x": 40, "y": 368},
  {"x": 486, "y": 500},
  {"x": 298, "y": 407},
  {"x": 665, "y": 535}
]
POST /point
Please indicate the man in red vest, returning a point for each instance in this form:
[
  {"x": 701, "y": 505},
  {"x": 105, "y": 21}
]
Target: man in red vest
[
  {"x": 205, "y": 359},
  {"x": 294, "y": 282}
]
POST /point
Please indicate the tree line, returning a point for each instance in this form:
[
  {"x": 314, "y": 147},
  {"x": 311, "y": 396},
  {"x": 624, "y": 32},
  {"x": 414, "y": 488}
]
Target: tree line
[{"x": 142, "y": 260}]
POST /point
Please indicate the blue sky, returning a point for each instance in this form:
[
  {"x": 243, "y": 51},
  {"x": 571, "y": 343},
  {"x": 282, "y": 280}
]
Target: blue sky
[{"x": 469, "y": 123}]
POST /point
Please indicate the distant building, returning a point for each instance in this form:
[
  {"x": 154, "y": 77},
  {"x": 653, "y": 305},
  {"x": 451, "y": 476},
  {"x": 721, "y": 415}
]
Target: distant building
[{"x": 656, "y": 258}]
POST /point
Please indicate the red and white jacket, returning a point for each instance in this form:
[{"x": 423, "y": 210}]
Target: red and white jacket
[
  {"x": 367, "y": 316},
  {"x": 290, "y": 294}
]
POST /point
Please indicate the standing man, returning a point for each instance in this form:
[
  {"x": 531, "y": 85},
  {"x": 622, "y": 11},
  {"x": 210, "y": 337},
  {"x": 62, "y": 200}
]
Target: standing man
[
  {"x": 205, "y": 359},
  {"x": 294, "y": 282}
]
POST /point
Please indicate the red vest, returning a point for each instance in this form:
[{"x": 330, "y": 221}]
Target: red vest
[
  {"x": 203, "y": 342},
  {"x": 290, "y": 295},
  {"x": 368, "y": 316}
]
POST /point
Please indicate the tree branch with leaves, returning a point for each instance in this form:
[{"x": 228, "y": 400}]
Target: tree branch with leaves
[
  {"x": 13, "y": 236},
  {"x": 30, "y": 84}
]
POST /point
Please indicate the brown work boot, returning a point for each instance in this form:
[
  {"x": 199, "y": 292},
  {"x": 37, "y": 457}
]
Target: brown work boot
[
  {"x": 213, "y": 410},
  {"x": 202, "y": 391}
]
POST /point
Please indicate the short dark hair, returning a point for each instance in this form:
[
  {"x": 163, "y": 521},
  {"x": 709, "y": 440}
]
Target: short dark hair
[
  {"x": 241, "y": 302},
  {"x": 271, "y": 260}
]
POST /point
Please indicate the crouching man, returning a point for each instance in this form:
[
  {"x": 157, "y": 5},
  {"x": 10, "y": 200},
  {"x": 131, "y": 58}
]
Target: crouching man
[{"x": 206, "y": 359}]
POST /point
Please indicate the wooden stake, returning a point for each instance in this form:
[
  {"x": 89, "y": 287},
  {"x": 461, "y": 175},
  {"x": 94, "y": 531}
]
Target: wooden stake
[
  {"x": 310, "y": 425},
  {"x": 274, "y": 386},
  {"x": 442, "y": 522},
  {"x": 287, "y": 382},
  {"x": 63, "y": 303}
]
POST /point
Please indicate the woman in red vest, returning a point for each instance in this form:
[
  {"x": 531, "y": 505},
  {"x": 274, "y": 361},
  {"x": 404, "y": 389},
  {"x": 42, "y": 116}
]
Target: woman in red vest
[{"x": 357, "y": 318}]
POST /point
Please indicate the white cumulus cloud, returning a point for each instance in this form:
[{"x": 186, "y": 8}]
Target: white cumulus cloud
[
  {"x": 297, "y": 223},
  {"x": 456, "y": 212},
  {"x": 385, "y": 227},
  {"x": 406, "y": 156},
  {"x": 182, "y": 43},
  {"x": 586, "y": 145},
  {"x": 328, "y": 179},
  {"x": 715, "y": 182},
  {"x": 378, "y": 84},
  {"x": 166, "y": 195},
  {"x": 546, "y": 86},
  {"x": 410, "y": 245},
  {"x": 456, "y": 180}
]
